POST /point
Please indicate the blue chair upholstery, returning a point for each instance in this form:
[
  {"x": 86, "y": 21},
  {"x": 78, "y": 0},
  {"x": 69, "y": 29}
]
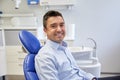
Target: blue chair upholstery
[{"x": 32, "y": 45}]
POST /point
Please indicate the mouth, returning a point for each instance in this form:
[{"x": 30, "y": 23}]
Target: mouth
[{"x": 59, "y": 35}]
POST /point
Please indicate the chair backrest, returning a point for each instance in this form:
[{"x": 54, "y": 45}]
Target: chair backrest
[{"x": 32, "y": 45}]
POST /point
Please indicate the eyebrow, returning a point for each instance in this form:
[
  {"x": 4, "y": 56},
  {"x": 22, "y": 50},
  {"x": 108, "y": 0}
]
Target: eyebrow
[
  {"x": 56, "y": 23},
  {"x": 62, "y": 23}
]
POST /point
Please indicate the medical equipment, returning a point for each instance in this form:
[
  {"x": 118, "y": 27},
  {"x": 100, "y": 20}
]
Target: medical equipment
[
  {"x": 87, "y": 59},
  {"x": 17, "y": 3},
  {"x": 32, "y": 45},
  {"x": 33, "y": 2}
]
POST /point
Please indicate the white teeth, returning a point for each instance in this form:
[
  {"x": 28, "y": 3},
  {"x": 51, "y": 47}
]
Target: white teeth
[{"x": 59, "y": 35}]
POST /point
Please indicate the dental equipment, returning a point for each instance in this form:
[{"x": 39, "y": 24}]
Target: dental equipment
[{"x": 17, "y": 3}]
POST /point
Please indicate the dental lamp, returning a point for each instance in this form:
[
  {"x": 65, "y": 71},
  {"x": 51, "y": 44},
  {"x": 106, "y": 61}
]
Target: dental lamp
[{"x": 17, "y": 3}]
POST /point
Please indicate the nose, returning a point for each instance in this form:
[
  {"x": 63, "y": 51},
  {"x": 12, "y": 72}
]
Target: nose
[{"x": 59, "y": 28}]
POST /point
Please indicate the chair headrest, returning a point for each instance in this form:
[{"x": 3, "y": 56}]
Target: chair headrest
[{"x": 29, "y": 41}]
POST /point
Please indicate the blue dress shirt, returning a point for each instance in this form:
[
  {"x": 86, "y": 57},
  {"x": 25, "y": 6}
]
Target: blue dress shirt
[{"x": 55, "y": 62}]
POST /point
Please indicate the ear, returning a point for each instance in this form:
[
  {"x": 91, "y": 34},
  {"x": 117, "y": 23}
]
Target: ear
[{"x": 44, "y": 29}]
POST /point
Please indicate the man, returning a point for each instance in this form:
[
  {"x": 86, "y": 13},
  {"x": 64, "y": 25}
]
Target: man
[{"x": 54, "y": 61}]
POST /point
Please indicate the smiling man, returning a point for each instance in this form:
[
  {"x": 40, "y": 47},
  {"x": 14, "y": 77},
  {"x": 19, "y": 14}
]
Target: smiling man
[
  {"x": 55, "y": 28},
  {"x": 54, "y": 61}
]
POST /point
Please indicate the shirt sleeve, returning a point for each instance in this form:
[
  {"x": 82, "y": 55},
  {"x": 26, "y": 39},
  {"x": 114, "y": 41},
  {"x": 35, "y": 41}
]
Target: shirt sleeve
[
  {"x": 87, "y": 76},
  {"x": 90, "y": 76},
  {"x": 82, "y": 73},
  {"x": 45, "y": 67}
]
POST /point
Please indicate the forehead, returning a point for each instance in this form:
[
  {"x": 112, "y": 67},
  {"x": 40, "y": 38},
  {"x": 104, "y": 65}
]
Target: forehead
[{"x": 55, "y": 19}]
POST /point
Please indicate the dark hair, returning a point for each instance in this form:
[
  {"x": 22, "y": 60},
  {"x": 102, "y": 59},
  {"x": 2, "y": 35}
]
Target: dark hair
[{"x": 49, "y": 14}]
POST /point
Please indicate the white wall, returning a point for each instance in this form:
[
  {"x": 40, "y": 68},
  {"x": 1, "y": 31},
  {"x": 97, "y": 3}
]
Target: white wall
[{"x": 98, "y": 19}]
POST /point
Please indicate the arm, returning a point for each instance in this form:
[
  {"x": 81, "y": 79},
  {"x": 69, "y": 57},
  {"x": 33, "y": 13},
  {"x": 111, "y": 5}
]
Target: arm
[
  {"x": 45, "y": 67},
  {"x": 87, "y": 76}
]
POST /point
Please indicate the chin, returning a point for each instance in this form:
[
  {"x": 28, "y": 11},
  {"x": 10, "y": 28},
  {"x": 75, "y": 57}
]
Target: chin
[{"x": 59, "y": 41}]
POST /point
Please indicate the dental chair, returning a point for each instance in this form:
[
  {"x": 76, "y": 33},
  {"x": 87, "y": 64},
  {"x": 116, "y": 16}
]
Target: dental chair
[{"x": 32, "y": 46}]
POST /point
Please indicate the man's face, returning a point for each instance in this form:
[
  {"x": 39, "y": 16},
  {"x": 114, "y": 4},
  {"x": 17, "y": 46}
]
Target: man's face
[{"x": 55, "y": 29}]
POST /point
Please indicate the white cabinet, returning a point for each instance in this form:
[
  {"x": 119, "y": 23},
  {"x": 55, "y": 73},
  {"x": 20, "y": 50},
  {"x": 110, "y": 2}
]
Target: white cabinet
[
  {"x": 2, "y": 54},
  {"x": 15, "y": 57},
  {"x": 2, "y": 62},
  {"x": 11, "y": 53},
  {"x": 11, "y": 35},
  {"x": 14, "y": 53}
]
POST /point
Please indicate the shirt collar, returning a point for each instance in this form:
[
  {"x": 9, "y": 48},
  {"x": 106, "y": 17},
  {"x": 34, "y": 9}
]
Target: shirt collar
[{"x": 56, "y": 45}]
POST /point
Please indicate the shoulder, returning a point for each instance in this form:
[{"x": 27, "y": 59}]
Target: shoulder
[
  {"x": 45, "y": 53},
  {"x": 46, "y": 50}
]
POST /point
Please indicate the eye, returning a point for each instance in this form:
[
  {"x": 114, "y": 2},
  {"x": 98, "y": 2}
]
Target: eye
[
  {"x": 62, "y": 25},
  {"x": 53, "y": 26}
]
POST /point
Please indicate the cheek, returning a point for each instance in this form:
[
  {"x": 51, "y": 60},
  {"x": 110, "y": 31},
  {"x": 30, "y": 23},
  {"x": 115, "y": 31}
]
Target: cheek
[
  {"x": 51, "y": 32},
  {"x": 64, "y": 30}
]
